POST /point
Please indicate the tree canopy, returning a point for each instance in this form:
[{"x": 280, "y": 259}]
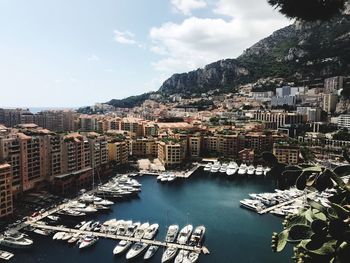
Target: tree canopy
[{"x": 309, "y": 10}]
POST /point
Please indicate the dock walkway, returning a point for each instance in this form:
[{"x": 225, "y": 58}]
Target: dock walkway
[{"x": 116, "y": 237}]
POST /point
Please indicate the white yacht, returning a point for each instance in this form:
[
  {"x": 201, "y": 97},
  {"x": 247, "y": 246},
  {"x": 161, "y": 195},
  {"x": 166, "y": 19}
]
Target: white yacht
[
  {"x": 259, "y": 170},
  {"x": 181, "y": 256},
  {"x": 15, "y": 240},
  {"x": 232, "y": 168},
  {"x": 242, "y": 169},
  {"x": 250, "y": 170},
  {"x": 151, "y": 231},
  {"x": 223, "y": 168},
  {"x": 169, "y": 254},
  {"x": 207, "y": 167},
  {"x": 151, "y": 251},
  {"x": 171, "y": 177},
  {"x": 88, "y": 241},
  {"x": 197, "y": 236},
  {"x": 58, "y": 236},
  {"x": 122, "y": 246},
  {"x": 184, "y": 234},
  {"x": 67, "y": 236},
  {"x": 159, "y": 177},
  {"x": 53, "y": 218},
  {"x": 140, "y": 231},
  {"x": 216, "y": 167},
  {"x": 171, "y": 233},
  {"x": 74, "y": 238},
  {"x": 254, "y": 205},
  {"x": 192, "y": 257},
  {"x": 6, "y": 255},
  {"x": 164, "y": 178},
  {"x": 266, "y": 170}
]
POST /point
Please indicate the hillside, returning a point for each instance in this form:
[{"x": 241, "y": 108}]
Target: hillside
[{"x": 299, "y": 52}]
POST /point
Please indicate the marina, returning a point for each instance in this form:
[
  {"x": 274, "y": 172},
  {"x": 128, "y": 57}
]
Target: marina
[{"x": 165, "y": 204}]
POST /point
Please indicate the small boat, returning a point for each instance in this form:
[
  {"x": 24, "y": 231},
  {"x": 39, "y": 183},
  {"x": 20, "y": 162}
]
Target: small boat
[
  {"x": 215, "y": 167},
  {"x": 43, "y": 232},
  {"x": 267, "y": 169},
  {"x": 242, "y": 170},
  {"x": 171, "y": 233},
  {"x": 184, "y": 234},
  {"x": 79, "y": 225},
  {"x": 74, "y": 238},
  {"x": 6, "y": 255},
  {"x": 159, "y": 177},
  {"x": 58, "y": 236},
  {"x": 67, "y": 236},
  {"x": 207, "y": 167},
  {"x": 88, "y": 241},
  {"x": 164, "y": 178},
  {"x": 53, "y": 218},
  {"x": 122, "y": 246},
  {"x": 151, "y": 251},
  {"x": 223, "y": 168},
  {"x": 193, "y": 257},
  {"x": 232, "y": 168},
  {"x": 250, "y": 170},
  {"x": 136, "y": 250},
  {"x": 197, "y": 236},
  {"x": 171, "y": 177},
  {"x": 181, "y": 256},
  {"x": 15, "y": 240},
  {"x": 169, "y": 254},
  {"x": 259, "y": 170}
]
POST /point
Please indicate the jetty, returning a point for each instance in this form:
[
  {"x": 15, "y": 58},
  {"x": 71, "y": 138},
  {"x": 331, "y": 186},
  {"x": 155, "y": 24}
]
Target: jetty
[{"x": 118, "y": 237}]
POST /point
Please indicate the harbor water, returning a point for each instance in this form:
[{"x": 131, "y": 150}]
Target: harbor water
[{"x": 233, "y": 234}]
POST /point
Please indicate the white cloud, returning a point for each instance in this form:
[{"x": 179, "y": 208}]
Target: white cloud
[
  {"x": 124, "y": 37},
  {"x": 196, "y": 42},
  {"x": 186, "y": 6},
  {"x": 93, "y": 57}
]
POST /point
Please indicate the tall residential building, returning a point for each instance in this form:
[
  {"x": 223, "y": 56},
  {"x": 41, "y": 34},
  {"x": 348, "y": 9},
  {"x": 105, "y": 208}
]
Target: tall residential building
[
  {"x": 98, "y": 149},
  {"x": 195, "y": 145},
  {"x": 144, "y": 147},
  {"x": 330, "y": 102},
  {"x": 118, "y": 152},
  {"x": 6, "y": 203},
  {"x": 286, "y": 153},
  {"x": 344, "y": 121},
  {"x": 333, "y": 84}
]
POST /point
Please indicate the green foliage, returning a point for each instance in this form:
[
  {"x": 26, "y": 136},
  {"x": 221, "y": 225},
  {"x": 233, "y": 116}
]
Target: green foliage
[
  {"x": 342, "y": 136},
  {"x": 130, "y": 102},
  {"x": 318, "y": 233},
  {"x": 309, "y": 10}
]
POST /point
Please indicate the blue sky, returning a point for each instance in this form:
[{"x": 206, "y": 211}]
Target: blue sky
[{"x": 66, "y": 53}]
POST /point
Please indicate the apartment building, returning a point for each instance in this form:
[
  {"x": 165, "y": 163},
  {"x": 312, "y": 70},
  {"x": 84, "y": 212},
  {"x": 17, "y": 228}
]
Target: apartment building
[
  {"x": 118, "y": 152},
  {"x": 194, "y": 145},
  {"x": 344, "y": 121},
  {"x": 6, "y": 203},
  {"x": 171, "y": 153},
  {"x": 280, "y": 118},
  {"x": 144, "y": 147},
  {"x": 98, "y": 150},
  {"x": 286, "y": 153},
  {"x": 329, "y": 102}
]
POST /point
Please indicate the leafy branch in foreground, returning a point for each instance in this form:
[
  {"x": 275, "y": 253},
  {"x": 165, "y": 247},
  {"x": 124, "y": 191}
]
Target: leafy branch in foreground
[
  {"x": 319, "y": 232},
  {"x": 308, "y": 10}
]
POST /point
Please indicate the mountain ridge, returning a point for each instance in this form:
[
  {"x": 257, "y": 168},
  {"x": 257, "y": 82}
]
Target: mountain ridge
[{"x": 302, "y": 51}]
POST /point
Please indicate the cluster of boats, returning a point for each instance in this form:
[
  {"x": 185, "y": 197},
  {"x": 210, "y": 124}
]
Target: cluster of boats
[
  {"x": 166, "y": 177},
  {"x": 119, "y": 187},
  {"x": 128, "y": 231},
  {"x": 291, "y": 197},
  {"x": 233, "y": 168}
]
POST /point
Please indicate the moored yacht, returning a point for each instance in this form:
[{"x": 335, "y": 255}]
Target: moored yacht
[
  {"x": 215, "y": 167},
  {"x": 151, "y": 251},
  {"x": 231, "y": 168},
  {"x": 184, "y": 234},
  {"x": 242, "y": 169},
  {"x": 250, "y": 170},
  {"x": 88, "y": 241},
  {"x": 15, "y": 240},
  {"x": 192, "y": 257},
  {"x": 223, "y": 168},
  {"x": 207, "y": 167},
  {"x": 181, "y": 256},
  {"x": 259, "y": 170},
  {"x": 169, "y": 254},
  {"x": 197, "y": 236},
  {"x": 171, "y": 233}
]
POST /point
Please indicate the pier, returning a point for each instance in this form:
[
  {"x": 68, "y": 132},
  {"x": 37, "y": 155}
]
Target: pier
[
  {"x": 117, "y": 237},
  {"x": 264, "y": 211}
]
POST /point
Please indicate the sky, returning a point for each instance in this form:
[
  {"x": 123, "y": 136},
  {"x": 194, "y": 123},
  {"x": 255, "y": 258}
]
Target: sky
[{"x": 71, "y": 53}]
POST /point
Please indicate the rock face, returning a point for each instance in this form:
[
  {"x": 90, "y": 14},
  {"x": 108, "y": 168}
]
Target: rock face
[
  {"x": 301, "y": 51},
  {"x": 215, "y": 75}
]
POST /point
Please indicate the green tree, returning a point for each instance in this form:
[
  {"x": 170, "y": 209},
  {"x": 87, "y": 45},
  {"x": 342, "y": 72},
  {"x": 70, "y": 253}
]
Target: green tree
[{"x": 308, "y": 10}]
